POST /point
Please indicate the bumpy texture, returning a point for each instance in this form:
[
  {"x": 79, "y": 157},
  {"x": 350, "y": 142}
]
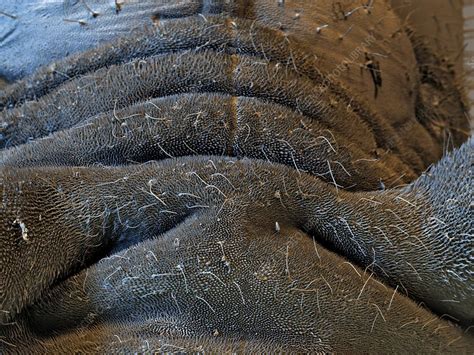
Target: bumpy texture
[
  {"x": 36, "y": 33},
  {"x": 269, "y": 225}
]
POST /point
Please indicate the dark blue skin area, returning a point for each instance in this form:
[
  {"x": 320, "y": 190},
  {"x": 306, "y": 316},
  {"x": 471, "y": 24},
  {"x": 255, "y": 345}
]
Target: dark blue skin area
[
  {"x": 231, "y": 176},
  {"x": 35, "y": 33}
]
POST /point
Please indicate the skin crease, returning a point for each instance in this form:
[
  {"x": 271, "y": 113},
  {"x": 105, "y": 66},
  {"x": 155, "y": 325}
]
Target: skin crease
[{"x": 290, "y": 243}]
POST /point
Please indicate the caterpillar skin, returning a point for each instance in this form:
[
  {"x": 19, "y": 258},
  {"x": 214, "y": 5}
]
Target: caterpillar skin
[{"x": 232, "y": 176}]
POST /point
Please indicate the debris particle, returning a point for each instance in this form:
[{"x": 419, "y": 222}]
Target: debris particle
[
  {"x": 24, "y": 230},
  {"x": 277, "y": 194}
]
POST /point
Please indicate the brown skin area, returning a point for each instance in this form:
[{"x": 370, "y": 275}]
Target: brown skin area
[{"x": 440, "y": 23}]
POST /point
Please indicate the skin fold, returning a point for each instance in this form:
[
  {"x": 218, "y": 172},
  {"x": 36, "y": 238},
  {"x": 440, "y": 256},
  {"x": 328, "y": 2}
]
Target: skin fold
[{"x": 237, "y": 176}]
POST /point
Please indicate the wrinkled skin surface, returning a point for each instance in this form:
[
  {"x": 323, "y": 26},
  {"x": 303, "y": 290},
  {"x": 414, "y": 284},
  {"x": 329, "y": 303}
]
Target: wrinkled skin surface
[{"x": 235, "y": 176}]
